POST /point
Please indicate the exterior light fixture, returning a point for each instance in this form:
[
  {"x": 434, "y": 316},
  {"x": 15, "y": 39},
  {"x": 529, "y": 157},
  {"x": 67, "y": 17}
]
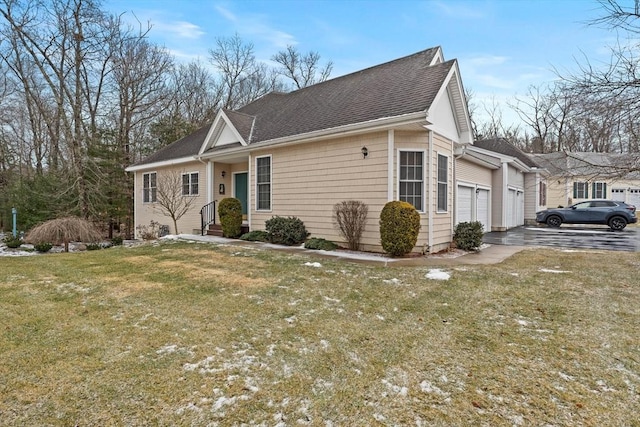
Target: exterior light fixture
[
  {"x": 365, "y": 152},
  {"x": 477, "y": 190},
  {"x": 223, "y": 173}
]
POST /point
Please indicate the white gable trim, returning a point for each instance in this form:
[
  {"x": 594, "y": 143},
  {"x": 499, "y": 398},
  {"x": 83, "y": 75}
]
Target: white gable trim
[
  {"x": 161, "y": 164},
  {"x": 438, "y": 57},
  {"x": 452, "y": 88},
  {"x": 221, "y": 129}
]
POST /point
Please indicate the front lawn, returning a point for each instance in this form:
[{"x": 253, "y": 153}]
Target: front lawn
[{"x": 200, "y": 334}]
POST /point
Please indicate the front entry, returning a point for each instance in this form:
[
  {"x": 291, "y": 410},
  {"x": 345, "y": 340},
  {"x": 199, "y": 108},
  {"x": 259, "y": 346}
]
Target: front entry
[{"x": 240, "y": 189}]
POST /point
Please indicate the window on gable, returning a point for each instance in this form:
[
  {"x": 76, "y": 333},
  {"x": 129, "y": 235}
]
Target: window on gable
[
  {"x": 149, "y": 187},
  {"x": 599, "y": 190},
  {"x": 190, "y": 184},
  {"x": 443, "y": 183},
  {"x": 263, "y": 183},
  {"x": 580, "y": 190},
  {"x": 411, "y": 183}
]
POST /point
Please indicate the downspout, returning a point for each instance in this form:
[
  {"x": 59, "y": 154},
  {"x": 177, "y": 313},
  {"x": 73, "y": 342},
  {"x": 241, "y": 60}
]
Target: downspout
[
  {"x": 505, "y": 195},
  {"x": 431, "y": 193},
  {"x": 390, "y": 151}
]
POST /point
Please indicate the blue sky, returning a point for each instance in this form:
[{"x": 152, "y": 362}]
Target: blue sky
[{"x": 502, "y": 46}]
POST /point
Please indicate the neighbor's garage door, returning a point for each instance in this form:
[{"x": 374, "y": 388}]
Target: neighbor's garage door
[
  {"x": 482, "y": 209},
  {"x": 465, "y": 204},
  {"x": 634, "y": 197}
]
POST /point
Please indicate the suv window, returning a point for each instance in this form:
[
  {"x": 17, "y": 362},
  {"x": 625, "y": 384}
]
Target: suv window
[{"x": 602, "y": 204}]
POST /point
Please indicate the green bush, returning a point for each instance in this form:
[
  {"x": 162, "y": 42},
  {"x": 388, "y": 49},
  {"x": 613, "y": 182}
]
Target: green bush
[
  {"x": 94, "y": 246},
  {"x": 230, "y": 213},
  {"x": 117, "y": 240},
  {"x": 255, "y": 236},
  {"x": 12, "y": 242},
  {"x": 399, "y": 227},
  {"x": 320, "y": 244},
  {"x": 286, "y": 231},
  {"x": 468, "y": 235},
  {"x": 43, "y": 247}
]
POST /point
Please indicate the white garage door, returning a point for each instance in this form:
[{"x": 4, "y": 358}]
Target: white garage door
[
  {"x": 634, "y": 197},
  {"x": 618, "y": 194},
  {"x": 515, "y": 208},
  {"x": 482, "y": 209},
  {"x": 465, "y": 204}
]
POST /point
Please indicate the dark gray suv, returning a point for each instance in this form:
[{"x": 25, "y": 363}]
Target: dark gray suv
[{"x": 608, "y": 212}]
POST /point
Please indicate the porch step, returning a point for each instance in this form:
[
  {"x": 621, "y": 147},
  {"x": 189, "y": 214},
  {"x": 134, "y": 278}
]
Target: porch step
[{"x": 216, "y": 230}]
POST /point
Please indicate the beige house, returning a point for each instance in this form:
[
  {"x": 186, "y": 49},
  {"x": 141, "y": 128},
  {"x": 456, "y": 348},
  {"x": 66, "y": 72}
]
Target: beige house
[
  {"x": 575, "y": 177},
  {"x": 385, "y": 133},
  {"x": 498, "y": 185}
]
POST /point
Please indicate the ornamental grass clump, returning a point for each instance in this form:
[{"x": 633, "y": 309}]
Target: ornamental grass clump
[{"x": 399, "y": 227}]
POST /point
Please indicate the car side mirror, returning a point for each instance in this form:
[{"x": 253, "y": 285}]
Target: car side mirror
[{"x": 573, "y": 208}]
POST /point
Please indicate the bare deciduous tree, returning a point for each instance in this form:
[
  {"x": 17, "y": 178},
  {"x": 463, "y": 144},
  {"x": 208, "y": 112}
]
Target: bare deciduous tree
[
  {"x": 171, "y": 199},
  {"x": 303, "y": 69}
]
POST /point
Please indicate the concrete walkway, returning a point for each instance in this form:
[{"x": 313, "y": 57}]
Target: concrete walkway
[{"x": 490, "y": 254}]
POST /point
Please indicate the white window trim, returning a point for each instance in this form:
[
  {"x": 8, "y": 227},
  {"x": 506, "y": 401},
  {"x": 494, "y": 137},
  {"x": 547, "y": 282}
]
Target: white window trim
[
  {"x": 190, "y": 183},
  {"x": 424, "y": 173},
  {"x": 143, "y": 189},
  {"x": 270, "y": 183},
  {"x": 603, "y": 186},
  {"x": 438, "y": 210}
]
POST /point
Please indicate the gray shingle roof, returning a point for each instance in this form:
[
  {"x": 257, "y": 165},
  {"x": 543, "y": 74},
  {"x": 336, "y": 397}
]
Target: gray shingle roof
[
  {"x": 403, "y": 86},
  {"x": 502, "y": 146},
  {"x": 589, "y": 164}
]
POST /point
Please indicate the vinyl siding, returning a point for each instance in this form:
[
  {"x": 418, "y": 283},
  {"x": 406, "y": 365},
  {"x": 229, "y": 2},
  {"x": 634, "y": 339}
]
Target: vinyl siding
[
  {"x": 442, "y": 221},
  {"x": 309, "y": 179},
  {"x": 147, "y": 212},
  {"x": 472, "y": 173}
]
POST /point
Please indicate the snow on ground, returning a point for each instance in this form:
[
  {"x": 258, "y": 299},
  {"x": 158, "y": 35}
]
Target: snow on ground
[{"x": 437, "y": 274}]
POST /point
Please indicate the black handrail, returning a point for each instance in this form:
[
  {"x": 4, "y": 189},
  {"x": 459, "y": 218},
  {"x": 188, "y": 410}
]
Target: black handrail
[{"x": 207, "y": 216}]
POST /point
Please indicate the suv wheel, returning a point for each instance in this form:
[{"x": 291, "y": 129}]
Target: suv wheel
[
  {"x": 617, "y": 223},
  {"x": 555, "y": 221}
]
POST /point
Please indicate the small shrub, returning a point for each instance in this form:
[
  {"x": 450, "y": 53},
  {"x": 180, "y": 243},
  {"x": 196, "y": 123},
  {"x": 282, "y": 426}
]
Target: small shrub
[
  {"x": 320, "y": 244},
  {"x": 43, "y": 247},
  {"x": 117, "y": 240},
  {"x": 12, "y": 242},
  {"x": 94, "y": 246},
  {"x": 399, "y": 227},
  {"x": 468, "y": 235},
  {"x": 230, "y": 213},
  {"x": 148, "y": 232},
  {"x": 255, "y": 236},
  {"x": 286, "y": 231},
  {"x": 350, "y": 217}
]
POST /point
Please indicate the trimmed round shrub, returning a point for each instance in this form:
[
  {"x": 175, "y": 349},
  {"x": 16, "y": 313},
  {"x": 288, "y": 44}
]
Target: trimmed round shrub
[
  {"x": 468, "y": 235},
  {"x": 255, "y": 236},
  {"x": 320, "y": 244},
  {"x": 230, "y": 213},
  {"x": 399, "y": 227},
  {"x": 43, "y": 247},
  {"x": 286, "y": 231}
]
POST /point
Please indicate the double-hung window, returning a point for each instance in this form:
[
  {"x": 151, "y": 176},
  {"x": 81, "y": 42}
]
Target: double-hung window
[
  {"x": 443, "y": 183},
  {"x": 599, "y": 190},
  {"x": 263, "y": 183},
  {"x": 149, "y": 187},
  {"x": 412, "y": 178},
  {"x": 580, "y": 190},
  {"x": 190, "y": 184}
]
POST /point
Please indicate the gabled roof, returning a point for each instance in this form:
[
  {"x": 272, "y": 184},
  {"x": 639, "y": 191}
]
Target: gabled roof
[
  {"x": 502, "y": 146},
  {"x": 613, "y": 165},
  {"x": 186, "y": 147},
  {"x": 403, "y": 88}
]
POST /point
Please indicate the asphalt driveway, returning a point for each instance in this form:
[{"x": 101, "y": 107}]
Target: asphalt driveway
[{"x": 585, "y": 237}]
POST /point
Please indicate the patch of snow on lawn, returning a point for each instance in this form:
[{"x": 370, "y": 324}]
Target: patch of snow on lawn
[
  {"x": 393, "y": 281},
  {"x": 437, "y": 274},
  {"x": 547, "y": 270},
  {"x": 313, "y": 264}
]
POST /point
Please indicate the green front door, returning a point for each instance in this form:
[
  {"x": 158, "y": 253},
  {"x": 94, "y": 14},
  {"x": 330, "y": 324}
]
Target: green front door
[{"x": 241, "y": 189}]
